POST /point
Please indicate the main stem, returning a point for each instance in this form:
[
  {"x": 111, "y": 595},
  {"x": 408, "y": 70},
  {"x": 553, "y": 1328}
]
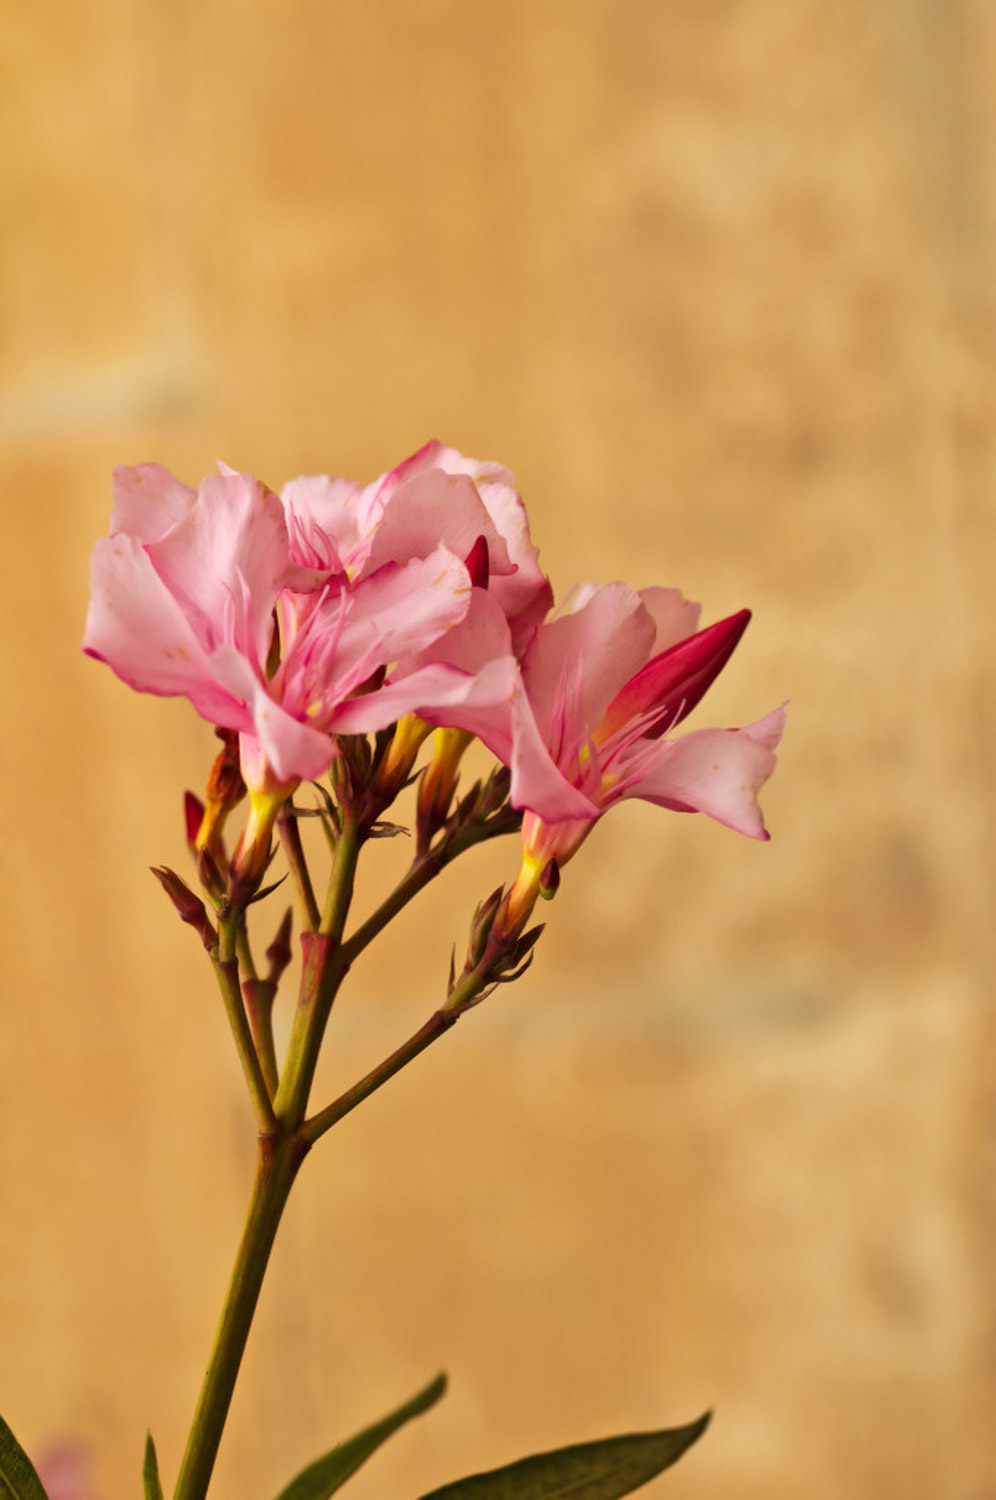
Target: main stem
[
  {"x": 282, "y": 1148},
  {"x": 276, "y": 1167}
]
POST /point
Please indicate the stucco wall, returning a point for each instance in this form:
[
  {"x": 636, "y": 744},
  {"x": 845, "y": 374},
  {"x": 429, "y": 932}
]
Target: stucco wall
[{"x": 715, "y": 280}]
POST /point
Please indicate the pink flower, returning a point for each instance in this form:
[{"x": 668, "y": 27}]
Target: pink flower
[
  {"x": 474, "y": 509},
  {"x": 184, "y": 593},
  {"x": 436, "y": 497},
  {"x": 590, "y": 723}
]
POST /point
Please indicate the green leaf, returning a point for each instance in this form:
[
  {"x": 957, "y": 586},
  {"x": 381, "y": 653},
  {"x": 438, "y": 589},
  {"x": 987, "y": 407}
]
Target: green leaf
[
  {"x": 151, "y": 1486},
  {"x": 589, "y": 1471},
  {"x": 18, "y": 1480},
  {"x": 322, "y": 1478}
]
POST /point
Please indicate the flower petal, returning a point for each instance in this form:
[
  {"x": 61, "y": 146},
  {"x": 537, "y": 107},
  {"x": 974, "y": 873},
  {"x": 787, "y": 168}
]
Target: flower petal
[
  {"x": 675, "y": 616},
  {"x": 431, "y": 507},
  {"x": 148, "y": 501},
  {"x": 600, "y": 645},
  {"x": 225, "y": 562},
  {"x": 716, "y": 771},
  {"x": 537, "y": 782},
  {"x": 136, "y": 626}
]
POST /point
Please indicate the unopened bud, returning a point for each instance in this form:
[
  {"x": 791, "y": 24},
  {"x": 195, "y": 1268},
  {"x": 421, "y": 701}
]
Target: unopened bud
[
  {"x": 480, "y": 928},
  {"x": 190, "y": 907},
  {"x": 397, "y": 757},
  {"x": 225, "y": 790},
  {"x": 549, "y": 881},
  {"x": 193, "y": 815},
  {"x": 435, "y": 791}
]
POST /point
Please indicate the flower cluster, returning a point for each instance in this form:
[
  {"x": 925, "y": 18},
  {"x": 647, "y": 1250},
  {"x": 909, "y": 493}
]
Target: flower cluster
[{"x": 297, "y": 622}]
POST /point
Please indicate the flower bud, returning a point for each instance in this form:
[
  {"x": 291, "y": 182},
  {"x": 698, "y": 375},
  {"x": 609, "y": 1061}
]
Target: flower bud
[
  {"x": 435, "y": 791},
  {"x": 395, "y": 766},
  {"x": 190, "y": 907},
  {"x": 225, "y": 790},
  {"x": 193, "y": 816},
  {"x": 549, "y": 881},
  {"x": 480, "y": 928}
]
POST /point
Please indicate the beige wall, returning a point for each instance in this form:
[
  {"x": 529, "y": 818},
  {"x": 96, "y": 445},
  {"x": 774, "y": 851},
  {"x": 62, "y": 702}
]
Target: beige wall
[{"x": 715, "y": 280}]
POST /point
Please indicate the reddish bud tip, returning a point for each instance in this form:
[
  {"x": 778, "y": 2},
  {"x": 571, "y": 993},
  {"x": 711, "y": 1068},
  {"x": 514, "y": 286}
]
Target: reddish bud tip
[
  {"x": 549, "y": 882},
  {"x": 193, "y": 812},
  {"x": 190, "y": 907},
  {"x": 478, "y": 563}
]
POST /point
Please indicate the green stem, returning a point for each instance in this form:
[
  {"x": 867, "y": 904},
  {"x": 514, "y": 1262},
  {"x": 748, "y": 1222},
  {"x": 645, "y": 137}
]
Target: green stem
[
  {"x": 290, "y": 836},
  {"x": 259, "y": 995},
  {"x": 227, "y": 970},
  {"x": 284, "y": 1138},
  {"x": 325, "y": 967},
  {"x": 424, "y": 868},
  {"x": 434, "y": 1028},
  {"x": 277, "y": 1164}
]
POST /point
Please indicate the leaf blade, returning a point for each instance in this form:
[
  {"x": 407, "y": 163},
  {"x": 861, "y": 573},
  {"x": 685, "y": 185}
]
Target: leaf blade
[
  {"x": 602, "y": 1470},
  {"x": 151, "y": 1485},
  {"x": 18, "y": 1479},
  {"x": 328, "y": 1473}
]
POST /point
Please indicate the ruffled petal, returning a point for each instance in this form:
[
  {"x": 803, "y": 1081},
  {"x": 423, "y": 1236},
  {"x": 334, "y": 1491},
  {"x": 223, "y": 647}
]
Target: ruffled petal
[
  {"x": 148, "y": 501},
  {"x": 716, "y": 771},
  {"x": 599, "y": 646},
  {"x": 431, "y": 507},
  {"x": 326, "y": 521},
  {"x": 225, "y": 562},
  {"x": 537, "y": 783},
  {"x": 136, "y": 626},
  {"x": 443, "y": 696},
  {"x": 675, "y": 617}
]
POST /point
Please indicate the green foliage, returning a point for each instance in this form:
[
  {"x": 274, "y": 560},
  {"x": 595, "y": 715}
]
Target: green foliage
[
  {"x": 589, "y": 1471},
  {"x": 151, "y": 1487},
  {"x": 18, "y": 1480},
  {"x": 322, "y": 1478}
]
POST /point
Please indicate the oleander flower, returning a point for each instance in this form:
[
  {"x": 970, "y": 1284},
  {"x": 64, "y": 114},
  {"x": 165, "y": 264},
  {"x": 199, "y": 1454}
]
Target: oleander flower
[
  {"x": 435, "y": 497},
  {"x": 601, "y": 689},
  {"x": 185, "y": 596}
]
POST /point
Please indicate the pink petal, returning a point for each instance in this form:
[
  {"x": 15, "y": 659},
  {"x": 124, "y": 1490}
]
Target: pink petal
[
  {"x": 391, "y": 615},
  {"x": 718, "y": 772},
  {"x": 137, "y": 627},
  {"x": 399, "y": 611},
  {"x": 603, "y": 643},
  {"x": 148, "y": 501},
  {"x": 537, "y": 782},
  {"x": 525, "y": 595},
  {"x": 327, "y": 520},
  {"x": 430, "y": 507},
  {"x": 293, "y": 749},
  {"x": 675, "y": 616},
  {"x": 443, "y": 695},
  {"x": 225, "y": 562}
]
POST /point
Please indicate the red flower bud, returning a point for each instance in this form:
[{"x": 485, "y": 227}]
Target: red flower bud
[{"x": 190, "y": 907}]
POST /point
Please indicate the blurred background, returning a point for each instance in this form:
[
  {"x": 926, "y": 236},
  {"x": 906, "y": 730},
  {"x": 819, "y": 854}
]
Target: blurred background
[{"x": 715, "y": 282}]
